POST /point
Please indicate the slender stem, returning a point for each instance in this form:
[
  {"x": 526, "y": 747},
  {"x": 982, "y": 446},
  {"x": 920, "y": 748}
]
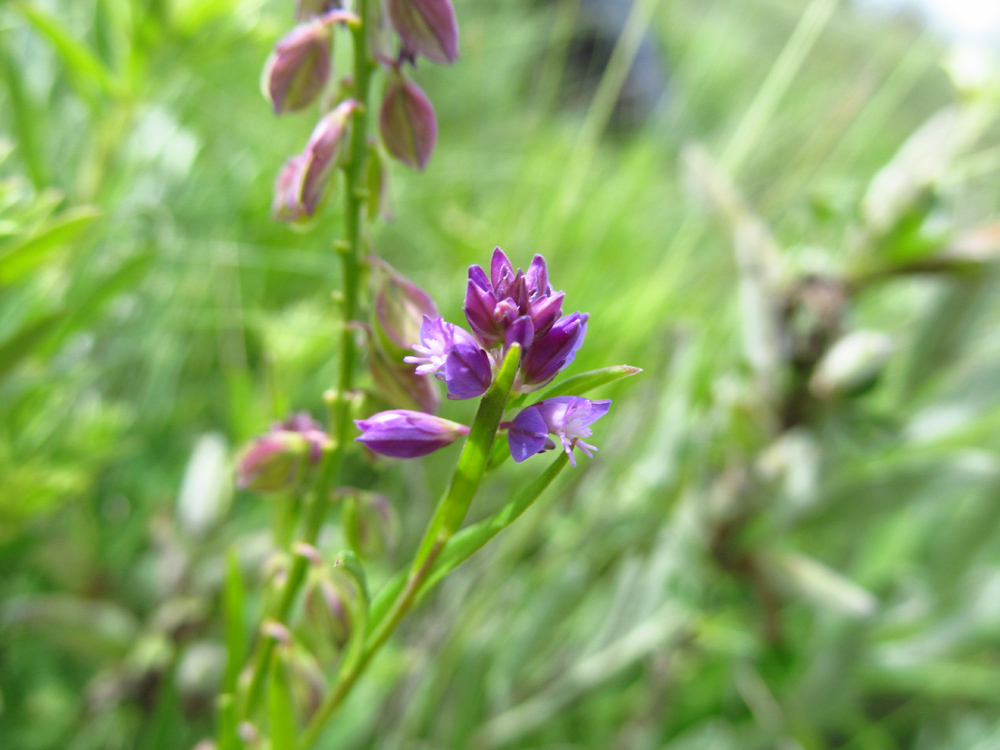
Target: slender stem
[
  {"x": 350, "y": 252},
  {"x": 448, "y": 517}
]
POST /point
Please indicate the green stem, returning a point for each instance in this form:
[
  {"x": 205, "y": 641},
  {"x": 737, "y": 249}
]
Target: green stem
[
  {"x": 350, "y": 252},
  {"x": 448, "y": 517}
]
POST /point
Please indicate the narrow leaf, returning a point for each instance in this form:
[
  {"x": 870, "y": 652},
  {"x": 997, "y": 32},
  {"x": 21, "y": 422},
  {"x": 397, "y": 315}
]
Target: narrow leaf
[
  {"x": 83, "y": 63},
  {"x": 281, "y": 709},
  {"x": 587, "y": 381},
  {"x": 234, "y": 605}
]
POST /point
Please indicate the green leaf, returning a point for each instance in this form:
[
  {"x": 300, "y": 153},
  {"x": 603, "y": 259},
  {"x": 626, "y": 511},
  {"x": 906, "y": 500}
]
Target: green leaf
[
  {"x": 587, "y": 381},
  {"x": 281, "y": 709},
  {"x": 234, "y": 606},
  {"x": 348, "y": 564},
  {"x": 470, "y": 540},
  {"x": 24, "y": 256},
  {"x": 27, "y": 340},
  {"x": 83, "y": 63}
]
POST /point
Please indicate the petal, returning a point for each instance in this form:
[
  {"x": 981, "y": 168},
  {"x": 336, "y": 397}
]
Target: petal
[{"x": 527, "y": 435}]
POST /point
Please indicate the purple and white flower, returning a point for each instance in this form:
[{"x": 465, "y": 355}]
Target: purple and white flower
[
  {"x": 568, "y": 418},
  {"x": 455, "y": 358}
]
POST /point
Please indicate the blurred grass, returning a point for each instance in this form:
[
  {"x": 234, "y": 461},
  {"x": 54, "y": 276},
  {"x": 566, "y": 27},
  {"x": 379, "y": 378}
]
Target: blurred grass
[{"x": 605, "y": 617}]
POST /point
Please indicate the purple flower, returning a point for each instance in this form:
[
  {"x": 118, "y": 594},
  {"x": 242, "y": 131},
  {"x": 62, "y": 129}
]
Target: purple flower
[
  {"x": 427, "y": 27},
  {"x": 454, "y": 356},
  {"x": 494, "y": 302},
  {"x": 553, "y": 351},
  {"x": 407, "y": 434},
  {"x": 567, "y": 417},
  {"x": 407, "y": 122},
  {"x": 298, "y": 69}
]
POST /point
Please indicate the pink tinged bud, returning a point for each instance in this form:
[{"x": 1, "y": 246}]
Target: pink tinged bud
[
  {"x": 299, "y": 68},
  {"x": 271, "y": 462},
  {"x": 427, "y": 27},
  {"x": 323, "y": 153},
  {"x": 407, "y": 434},
  {"x": 308, "y": 428},
  {"x": 400, "y": 385},
  {"x": 400, "y": 307},
  {"x": 408, "y": 123},
  {"x": 287, "y": 204}
]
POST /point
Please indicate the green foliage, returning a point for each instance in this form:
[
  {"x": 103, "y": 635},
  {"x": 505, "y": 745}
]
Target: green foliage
[{"x": 745, "y": 564}]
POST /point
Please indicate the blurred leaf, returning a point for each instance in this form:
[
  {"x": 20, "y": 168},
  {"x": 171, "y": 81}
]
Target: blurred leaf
[
  {"x": 89, "y": 628},
  {"x": 234, "y": 604},
  {"x": 27, "y": 340},
  {"x": 77, "y": 57},
  {"x": 21, "y": 257},
  {"x": 281, "y": 711}
]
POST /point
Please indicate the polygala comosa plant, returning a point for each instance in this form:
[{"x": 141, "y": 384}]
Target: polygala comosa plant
[{"x": 320, "y": 627}]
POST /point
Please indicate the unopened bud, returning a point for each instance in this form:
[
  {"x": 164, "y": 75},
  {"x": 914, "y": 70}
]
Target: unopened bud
[
  {"x": 271, "y": 462},
  {"x": 399, "y": 385},
  {"x": 370, "y": 524},
  {"x": 852, "y": 364},
  {"x": 298, "y": 69},
  {"x": 407, "y": 122},
  {"x": 306, "y": 678},
  {"x": 327, "y": 611},
  {"x": 400, "y": 306},
  {"x": 303, "y": 178},
  {"x": 427, "y": 27}
]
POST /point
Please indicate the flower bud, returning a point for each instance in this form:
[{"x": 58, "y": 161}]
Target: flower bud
[
  {"x": 287, "y": 205},
  {"x": 407, "y": 434},
  {"x": 554, "y": 351},
  {"x": 325, "y": 151},
  {"x": 400, "y": 385},
  {"x": 327, "y": 611},
  {"x": 852, "y": 364},
  {"x": 407, "y": 122},
  {"x": 400, "y": 307},
  {"x": 427, "y": 27},
  {"x": 370, "y": 524},
  {"x": 298, "y": 69},
  {"x": 271, "y": 462}
]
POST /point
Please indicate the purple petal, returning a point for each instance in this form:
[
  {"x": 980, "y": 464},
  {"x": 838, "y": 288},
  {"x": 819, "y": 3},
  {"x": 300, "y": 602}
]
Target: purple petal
[
  {"x": 521, "y": 331},
  {"x": 555, "y": 350},
  {"x": 501, "y": 271},
  {"x": 527, "y": 435},
  {"x": 467, "y": 371}
]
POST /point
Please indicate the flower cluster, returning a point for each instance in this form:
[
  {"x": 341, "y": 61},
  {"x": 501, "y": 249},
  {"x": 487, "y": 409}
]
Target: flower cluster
[
  {"x": 299, "y": 71},
  {"x": 503, "y": 308}
]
